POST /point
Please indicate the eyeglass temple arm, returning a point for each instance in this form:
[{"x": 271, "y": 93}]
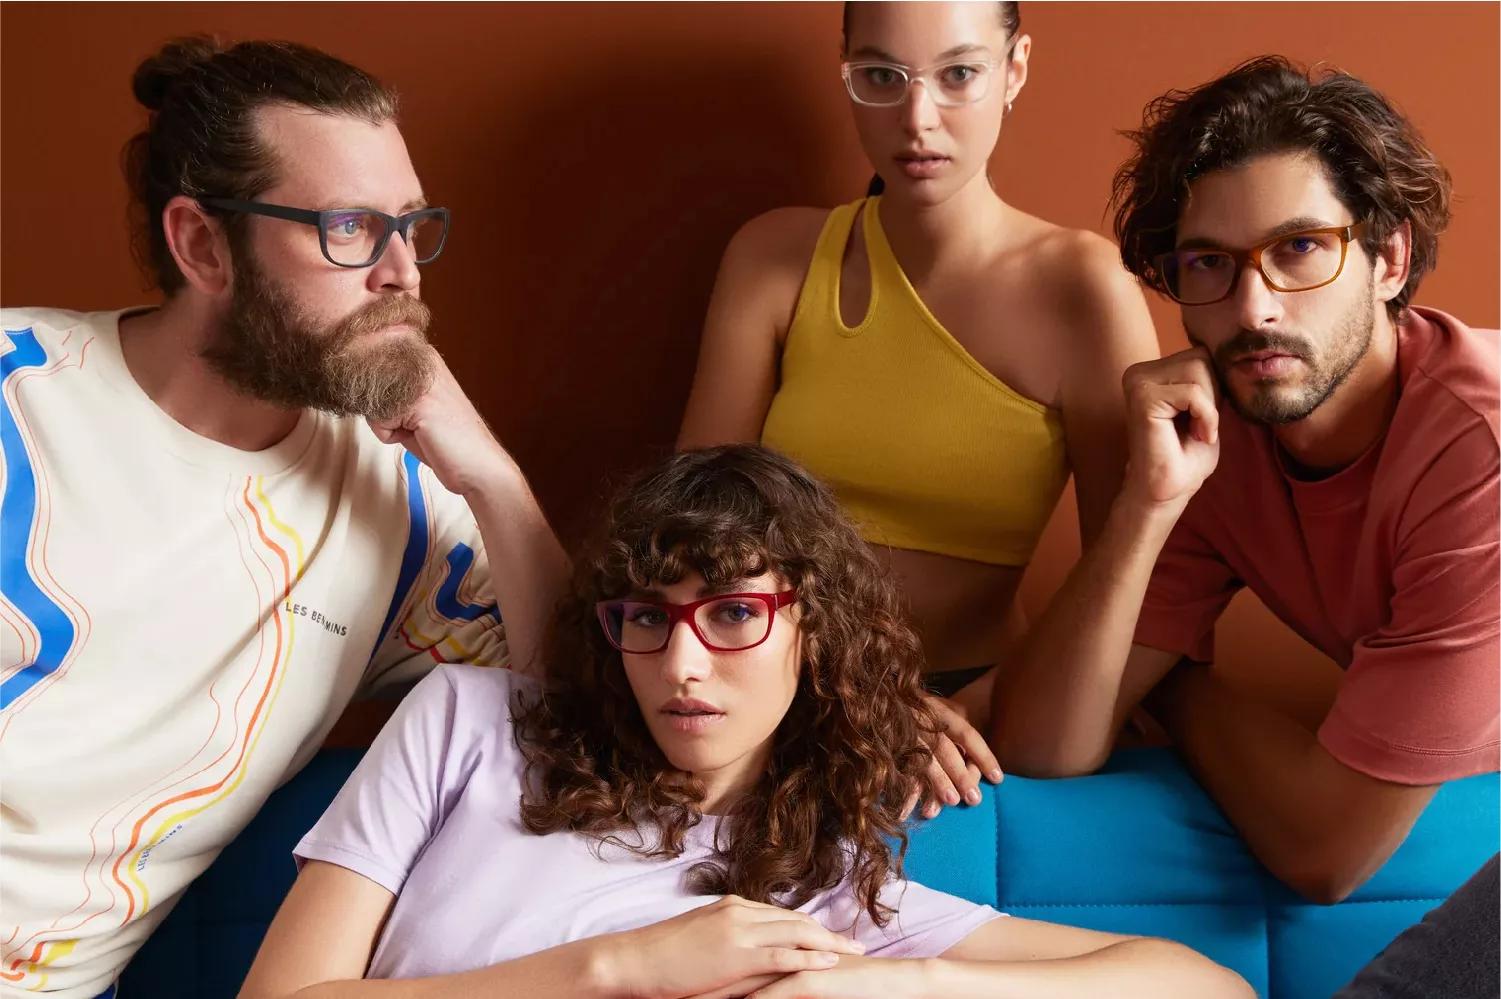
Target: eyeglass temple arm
[{"x": 305, "y": 215}]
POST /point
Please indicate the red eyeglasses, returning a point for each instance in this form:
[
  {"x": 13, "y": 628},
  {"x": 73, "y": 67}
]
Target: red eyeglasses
[{"x": 728, "y": 622}]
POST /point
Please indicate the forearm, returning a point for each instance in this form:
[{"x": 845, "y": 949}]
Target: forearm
[
  {"x": 528, "y": 569},
  {"x": 1268, "y": 774},
  {"x": 1144, "y": 968},
  {"x": 1053, "y": 709},
  {"x": 575, "y": 970}
]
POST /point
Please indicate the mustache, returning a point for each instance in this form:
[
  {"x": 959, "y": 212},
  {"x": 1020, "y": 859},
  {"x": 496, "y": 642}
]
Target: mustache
[
  {"x": 399, "y": 310},
  {"x": 1255, "y": 341}
]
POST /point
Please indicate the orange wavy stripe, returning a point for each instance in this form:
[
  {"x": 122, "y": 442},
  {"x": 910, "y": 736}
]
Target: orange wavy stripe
[
  {"x": 254, "y": 716},
  {"x": 218, "y": 717}
]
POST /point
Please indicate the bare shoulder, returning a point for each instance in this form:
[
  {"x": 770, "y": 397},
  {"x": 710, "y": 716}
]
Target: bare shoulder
[
  {"x": 782, "y": 237},
  {"x": 1081, "y": 279},
  {"x": 761, "y": 273},
  {"x": 1077, "y": 262}
]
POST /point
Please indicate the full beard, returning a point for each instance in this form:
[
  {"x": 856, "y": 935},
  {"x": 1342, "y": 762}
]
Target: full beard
[
  {"x": 271, "y": 350},
  {"x": 1274, "y": 404}
]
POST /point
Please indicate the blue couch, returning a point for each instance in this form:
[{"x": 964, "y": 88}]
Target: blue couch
[{"x": 1136, "y": 848}]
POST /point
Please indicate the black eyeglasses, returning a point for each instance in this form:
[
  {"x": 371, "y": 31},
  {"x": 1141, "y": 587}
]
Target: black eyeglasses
[{"x": 355, "y": 237}]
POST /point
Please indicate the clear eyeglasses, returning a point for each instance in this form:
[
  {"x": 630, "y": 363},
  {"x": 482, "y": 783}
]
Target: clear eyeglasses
[{"x": 951, "y": 83}]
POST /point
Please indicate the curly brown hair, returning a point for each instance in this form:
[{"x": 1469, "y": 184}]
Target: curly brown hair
[
  {"x": 845, "y": 757},
  {"x": 1379, "y": 165}
]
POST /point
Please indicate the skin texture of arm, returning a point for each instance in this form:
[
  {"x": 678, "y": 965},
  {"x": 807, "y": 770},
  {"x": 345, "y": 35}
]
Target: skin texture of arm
[
  {"x": 1077, "y": 676},
  {"x": 1318, "y": 825},
  {"x": 1024, "y": 959},
  {"x": 1109, "y": 330},
  {"x": 749, "y": 314}
]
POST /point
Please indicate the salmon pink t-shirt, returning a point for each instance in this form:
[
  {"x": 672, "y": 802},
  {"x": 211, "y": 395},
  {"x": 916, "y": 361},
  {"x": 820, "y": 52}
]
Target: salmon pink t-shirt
[{"x": 1389, "y": 567}]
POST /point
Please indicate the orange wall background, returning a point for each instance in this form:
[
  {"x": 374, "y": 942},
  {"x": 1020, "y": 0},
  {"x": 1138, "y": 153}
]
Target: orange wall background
[{"x": 597, "y": 157}]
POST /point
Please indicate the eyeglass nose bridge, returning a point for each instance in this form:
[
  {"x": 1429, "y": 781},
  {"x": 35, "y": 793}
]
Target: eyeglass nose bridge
[
  {"x": 1252, "y": 258},
  {"x": 405, "y": 231},
  {"x": 384, "y": 244},
  {"x": 403, "y": 227},
  {"x": 934, "y": 94},
  {"x": 1249, "y": 259},
  {"x": 677, "y": 619},
  {"x": 927, "y": 89}
]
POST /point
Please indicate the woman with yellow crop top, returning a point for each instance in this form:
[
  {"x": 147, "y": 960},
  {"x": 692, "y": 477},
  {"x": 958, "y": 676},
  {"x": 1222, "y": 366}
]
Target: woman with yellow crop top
[{"x": 941, "y": 358}]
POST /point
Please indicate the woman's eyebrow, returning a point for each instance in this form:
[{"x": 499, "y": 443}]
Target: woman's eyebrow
[
  {"x": 736, "y": 585},
  {"x": 875, "y": 52},
  {"x": 969, "y": 48}
]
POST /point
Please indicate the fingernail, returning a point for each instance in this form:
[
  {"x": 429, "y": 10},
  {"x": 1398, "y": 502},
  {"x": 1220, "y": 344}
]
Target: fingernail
[
  {"x": 972, "y": 796},
  {"x": 950, "y": 798},
  {"x": 826, "y": 958},
  {"x": 995, "y": 776},
  {"x": 860, "y": 947}
]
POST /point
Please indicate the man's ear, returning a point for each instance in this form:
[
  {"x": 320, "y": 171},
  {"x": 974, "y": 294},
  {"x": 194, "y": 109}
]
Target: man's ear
[
  {"x": 198, "y": 245},
  {"x": 1393, "y": 263}
]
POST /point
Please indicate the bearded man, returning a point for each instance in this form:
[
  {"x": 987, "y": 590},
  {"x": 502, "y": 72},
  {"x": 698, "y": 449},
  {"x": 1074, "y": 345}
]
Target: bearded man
[
  {"x": 1325, "y": 442},
  {"x": 212, "y": 540}
]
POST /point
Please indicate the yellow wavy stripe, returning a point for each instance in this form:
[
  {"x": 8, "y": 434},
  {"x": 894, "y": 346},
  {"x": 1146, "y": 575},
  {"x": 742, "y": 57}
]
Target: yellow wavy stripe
[
  {"x": 286, "y": 529},
  {"x": 463, "y": 654},
  {"x": 418, "y": 638},
  {"x": 181, "y": 817},
  {"x": 55, "y": 950}
]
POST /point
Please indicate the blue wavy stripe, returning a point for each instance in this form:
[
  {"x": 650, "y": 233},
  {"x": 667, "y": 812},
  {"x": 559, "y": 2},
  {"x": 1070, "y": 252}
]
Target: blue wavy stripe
[
  {"x": 416, "y": 550},
  {"x": 109, "y": 993},
  {"x": 447, "y": 599},
  {"x": 18, "y": 513}
]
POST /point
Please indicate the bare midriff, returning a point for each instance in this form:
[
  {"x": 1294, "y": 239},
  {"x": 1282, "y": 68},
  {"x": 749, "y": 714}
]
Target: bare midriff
[{"x": 966, "y": 613}]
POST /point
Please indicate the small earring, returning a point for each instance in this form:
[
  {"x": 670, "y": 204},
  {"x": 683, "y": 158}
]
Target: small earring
[{"x": 1008, "y": 108}]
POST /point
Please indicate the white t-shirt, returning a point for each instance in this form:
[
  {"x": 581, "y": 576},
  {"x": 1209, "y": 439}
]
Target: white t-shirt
[
  {"x": 432, "y": 814},
  {"x": 181, "y": 623}
]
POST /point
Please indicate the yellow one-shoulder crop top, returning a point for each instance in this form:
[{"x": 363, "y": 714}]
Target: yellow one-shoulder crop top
[{"x": 925, "y": 448}]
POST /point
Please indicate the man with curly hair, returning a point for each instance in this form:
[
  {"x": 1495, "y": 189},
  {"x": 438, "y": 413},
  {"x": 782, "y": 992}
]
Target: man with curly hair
[{"x": 1324, "y": 442}]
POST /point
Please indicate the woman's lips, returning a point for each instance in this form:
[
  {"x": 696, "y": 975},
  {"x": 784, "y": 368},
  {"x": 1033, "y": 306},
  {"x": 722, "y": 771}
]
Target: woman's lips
[
  {"x": 692, "y": 722},
  {"x": 691, "y": 716},
  {"x": 924, "y": 167}
]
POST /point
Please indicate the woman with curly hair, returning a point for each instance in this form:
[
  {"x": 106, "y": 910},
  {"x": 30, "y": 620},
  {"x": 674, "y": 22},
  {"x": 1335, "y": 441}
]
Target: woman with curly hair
[{"x": 703, "y": 800}]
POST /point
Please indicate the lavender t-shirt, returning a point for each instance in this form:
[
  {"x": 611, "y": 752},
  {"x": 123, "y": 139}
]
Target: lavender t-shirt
[{"x": 431, "y": 814}]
